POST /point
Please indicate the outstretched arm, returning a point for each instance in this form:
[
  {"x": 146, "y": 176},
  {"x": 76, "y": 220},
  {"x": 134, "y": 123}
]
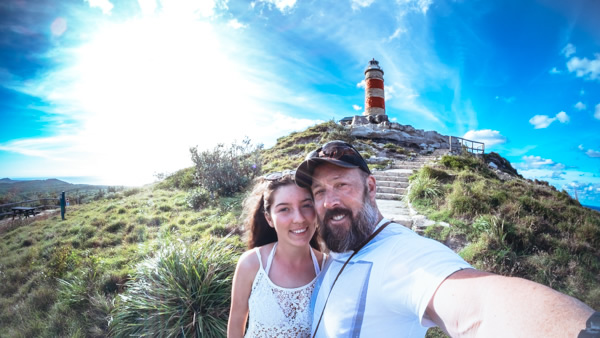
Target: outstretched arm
[
  {"x": 245, "y": 271},
  {"x": 472, "y": 303}
]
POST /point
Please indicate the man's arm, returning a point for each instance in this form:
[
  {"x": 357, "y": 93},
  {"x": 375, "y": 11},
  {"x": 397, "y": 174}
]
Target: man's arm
[{"x": 472, "y": 303}]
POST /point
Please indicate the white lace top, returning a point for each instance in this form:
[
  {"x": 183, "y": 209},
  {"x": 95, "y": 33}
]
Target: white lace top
[{"x": 279, "y": 312}]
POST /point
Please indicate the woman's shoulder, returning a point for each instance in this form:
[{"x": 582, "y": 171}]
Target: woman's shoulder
[{"x": 248, "y": 261}]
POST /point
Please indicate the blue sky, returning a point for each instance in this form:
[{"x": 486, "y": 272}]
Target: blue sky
[{"x": 120, "y": 89}]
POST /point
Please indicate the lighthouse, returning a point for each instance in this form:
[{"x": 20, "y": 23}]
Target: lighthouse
[{"x": 374, "y": 95}]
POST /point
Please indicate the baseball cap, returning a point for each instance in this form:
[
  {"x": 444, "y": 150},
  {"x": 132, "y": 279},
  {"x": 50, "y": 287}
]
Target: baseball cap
[{"x": 339, "y": 153}]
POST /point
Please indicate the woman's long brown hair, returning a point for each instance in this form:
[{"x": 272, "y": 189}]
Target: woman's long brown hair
[{"x": 256, "y": 204}]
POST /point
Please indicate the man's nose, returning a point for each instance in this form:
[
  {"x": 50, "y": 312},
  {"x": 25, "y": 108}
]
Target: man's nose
[{"x": 331, "y": 200}]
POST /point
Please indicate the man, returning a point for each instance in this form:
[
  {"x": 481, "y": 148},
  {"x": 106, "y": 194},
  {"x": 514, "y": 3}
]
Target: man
[{"x": 384, "y": 280}]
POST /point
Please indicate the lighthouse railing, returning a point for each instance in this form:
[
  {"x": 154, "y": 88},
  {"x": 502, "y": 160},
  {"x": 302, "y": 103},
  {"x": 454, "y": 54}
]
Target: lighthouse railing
[{"x": 459, "y": 144}]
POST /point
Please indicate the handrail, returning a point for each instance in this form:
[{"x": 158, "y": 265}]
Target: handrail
[
  {"x": 28, "y": 201},
  {"x": 477, "y": 150}
]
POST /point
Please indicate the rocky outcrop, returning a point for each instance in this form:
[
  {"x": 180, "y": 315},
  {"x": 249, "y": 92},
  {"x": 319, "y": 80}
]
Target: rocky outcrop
[{"x": 404, "y": 135}]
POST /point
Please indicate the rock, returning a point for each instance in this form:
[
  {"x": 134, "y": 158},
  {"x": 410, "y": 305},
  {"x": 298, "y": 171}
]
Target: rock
[
  {"x": 360, "y": 120},
  {"x": 395, "y": 126},
  {"x": 377, "y": 160}
]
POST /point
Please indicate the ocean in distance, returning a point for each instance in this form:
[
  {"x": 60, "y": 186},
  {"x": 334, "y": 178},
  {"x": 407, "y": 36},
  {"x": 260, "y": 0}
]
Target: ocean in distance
[{"x": 592, "y": 207}]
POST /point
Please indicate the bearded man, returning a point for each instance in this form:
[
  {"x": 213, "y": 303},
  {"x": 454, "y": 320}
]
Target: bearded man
[{"x": 385, "y": 280}]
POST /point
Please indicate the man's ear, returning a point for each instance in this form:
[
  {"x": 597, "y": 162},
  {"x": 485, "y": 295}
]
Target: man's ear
[
  {"x": 371, "y": 186},
  {"x": 269, "y": 219}
]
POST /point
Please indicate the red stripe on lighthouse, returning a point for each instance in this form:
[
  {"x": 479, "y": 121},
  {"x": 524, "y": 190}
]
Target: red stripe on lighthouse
[
  {"x": 374, "y": 83},
  {"x": 376, "y": 102}
]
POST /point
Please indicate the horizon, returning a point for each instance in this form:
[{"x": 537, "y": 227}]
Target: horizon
[{"x": 121, "y": 89}]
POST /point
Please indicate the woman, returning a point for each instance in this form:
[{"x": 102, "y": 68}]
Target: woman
[{"x": 274, "y": 280}]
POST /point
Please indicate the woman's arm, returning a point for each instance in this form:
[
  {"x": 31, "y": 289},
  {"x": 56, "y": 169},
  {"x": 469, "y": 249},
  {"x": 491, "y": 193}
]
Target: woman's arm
[{"x": 245, "y": 271}]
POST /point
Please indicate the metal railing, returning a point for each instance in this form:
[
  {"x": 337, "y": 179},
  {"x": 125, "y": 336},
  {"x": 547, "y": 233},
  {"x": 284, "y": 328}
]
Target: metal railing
[{"x": 462, "y": 144}]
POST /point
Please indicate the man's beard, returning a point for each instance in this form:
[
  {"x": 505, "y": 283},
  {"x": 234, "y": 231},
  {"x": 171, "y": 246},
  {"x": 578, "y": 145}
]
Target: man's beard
[{"x": 340, "y": 239}]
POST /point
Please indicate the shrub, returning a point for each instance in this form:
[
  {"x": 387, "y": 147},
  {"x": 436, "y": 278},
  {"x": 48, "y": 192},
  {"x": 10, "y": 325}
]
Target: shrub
[
  {"x": 198, "y": 198},
  {"x": 183, "y": 291},
  {"x": 181, "y": 179},
  {"x": 337, "y": 132},
  {"x": 226, "y": 171}
]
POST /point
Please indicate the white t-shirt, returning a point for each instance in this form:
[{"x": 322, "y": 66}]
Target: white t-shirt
[{"x": 386, "y": 287}]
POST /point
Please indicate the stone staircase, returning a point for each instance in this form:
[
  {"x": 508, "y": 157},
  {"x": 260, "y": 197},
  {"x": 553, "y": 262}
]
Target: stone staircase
[
  {"x": 393, "y": 182},
  {"x": 392, "y": 185}
]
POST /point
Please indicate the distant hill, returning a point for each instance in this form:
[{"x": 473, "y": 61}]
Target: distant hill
[{"x": 16, "y": 190}]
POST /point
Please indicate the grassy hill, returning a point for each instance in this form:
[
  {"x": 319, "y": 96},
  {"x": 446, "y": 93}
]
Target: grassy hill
[{"x": 166, "y": 252}]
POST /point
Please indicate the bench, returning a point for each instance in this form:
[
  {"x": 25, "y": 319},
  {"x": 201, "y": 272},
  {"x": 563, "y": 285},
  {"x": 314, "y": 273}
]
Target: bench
[{"x": 26, "y": 211}]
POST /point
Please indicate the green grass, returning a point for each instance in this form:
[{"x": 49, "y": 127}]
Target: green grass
[
  {"x": 517, "y": 227},
  {"x": 61, "y": 278}
]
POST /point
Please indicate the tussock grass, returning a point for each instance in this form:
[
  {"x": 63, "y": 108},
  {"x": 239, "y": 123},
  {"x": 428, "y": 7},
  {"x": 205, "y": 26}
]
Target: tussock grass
[{"x": 182, "y": 290}]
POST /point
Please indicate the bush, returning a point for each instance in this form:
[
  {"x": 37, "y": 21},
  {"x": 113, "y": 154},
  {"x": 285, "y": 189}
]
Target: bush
[
  {"x": 226, "y": 171},
  {"x": 198, "y": 198},
  {"x": 183, "y": 291}
]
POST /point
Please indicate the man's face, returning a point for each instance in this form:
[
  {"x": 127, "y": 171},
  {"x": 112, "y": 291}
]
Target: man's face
[{"x": 343, "y": 202}]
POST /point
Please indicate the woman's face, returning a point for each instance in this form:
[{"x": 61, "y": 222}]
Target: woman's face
[{"x": 292, "y": 214}]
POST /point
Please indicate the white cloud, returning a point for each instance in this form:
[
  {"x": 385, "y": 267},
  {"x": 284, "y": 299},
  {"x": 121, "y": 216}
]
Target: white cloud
[
  {"x": 597, "y": 112},
  {"x": 235, "y": 24},
  {"x": 416, "y": 5},
  {"x": 282, "y": 5},
  {"x": 541, "y": 121},
  {"x": 568, "y": 50},
  {"x": 356, "y": 107},
  {"x": 589, "y": 69},
  {"x": 580, "y": 105},
  {"x": 148, "y": 7},
  {"x": 580, "y": 147},
  {"x": 562, "y": 117},
  {"x": 535, "y": 162},
  {"x": 191, "y": 9},
  {"x": 358, "y": 4},
  {"x": 396, "y": 34},
  {"x": 105, "y": 5},
  {"x": 592, "y": 153},
  {"x": 487, "y": 136},
  {"x": 361, "y": 84},
  {"x": 554, "y": 70}
]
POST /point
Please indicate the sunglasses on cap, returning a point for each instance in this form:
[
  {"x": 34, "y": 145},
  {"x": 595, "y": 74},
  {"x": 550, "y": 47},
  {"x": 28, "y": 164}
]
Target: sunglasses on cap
[
  {"x": 274, "y": 176},
  {"x": 339, "y": 153}
]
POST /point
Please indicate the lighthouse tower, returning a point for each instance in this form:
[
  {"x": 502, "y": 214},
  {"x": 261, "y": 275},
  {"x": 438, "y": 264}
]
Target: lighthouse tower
[{"x": 374, "y": 96}]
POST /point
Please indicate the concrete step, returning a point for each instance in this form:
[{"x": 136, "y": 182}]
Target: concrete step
[
  {"x": 391, "y": 176},
  {"x": 391, "y": 190},
  {"x": 405, "y": 166},
  {"x": 388, "y": 196},
  {"x": 393, "y": 184}
]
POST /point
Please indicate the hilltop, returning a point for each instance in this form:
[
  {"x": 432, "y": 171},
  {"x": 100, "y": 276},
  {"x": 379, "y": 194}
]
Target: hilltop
[{"x": 85, "y": 276}]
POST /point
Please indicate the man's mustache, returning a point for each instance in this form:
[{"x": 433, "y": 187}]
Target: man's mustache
[{"x": 329, "y": 214}]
